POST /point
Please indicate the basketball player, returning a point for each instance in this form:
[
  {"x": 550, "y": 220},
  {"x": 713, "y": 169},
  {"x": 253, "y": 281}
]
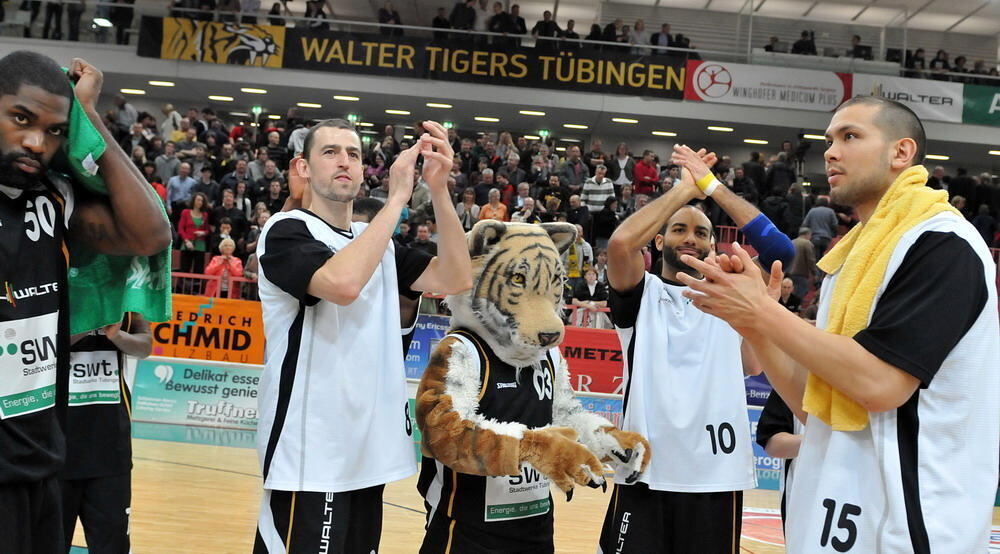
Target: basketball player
[
  {"x": 37, "y": 210},
  {"x": 96, "y": 483},
  {"x": 335, "y": 425},
  {"x": 919, "y": 474},
  {"x": 683, "y": 385}
]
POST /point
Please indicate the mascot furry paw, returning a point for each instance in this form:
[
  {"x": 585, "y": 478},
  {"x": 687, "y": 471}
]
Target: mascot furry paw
[{"x": 498, "y": 417}]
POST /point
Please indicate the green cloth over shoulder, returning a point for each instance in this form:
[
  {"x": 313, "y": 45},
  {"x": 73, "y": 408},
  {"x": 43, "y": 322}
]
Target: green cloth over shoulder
[{"x": 102, "y": 287}]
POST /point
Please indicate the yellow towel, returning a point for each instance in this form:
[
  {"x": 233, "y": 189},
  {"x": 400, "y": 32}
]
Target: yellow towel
[{"x": 862, "y": 258}]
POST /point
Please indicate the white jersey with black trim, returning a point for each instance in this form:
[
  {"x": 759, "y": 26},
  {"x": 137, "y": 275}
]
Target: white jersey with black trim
[
  {"x": 919, "y": 478},
  {"x": 684, "y": 391},
  {"x": 334, "y": 413}
]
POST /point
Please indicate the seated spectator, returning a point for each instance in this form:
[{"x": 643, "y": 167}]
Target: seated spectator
[
  {"x": 224, "y": 230},
  {"x": 494, "y": 209},
  {"x": 590, "y": 296},
  {"x": 226, "y": 265},
  {"x": 788, "y": 299},
  {"x": 423, "y": 240},
  {"x": 601, "y": 266},
  {"x": 806, "y": 45},
  {"x": 467, "y": 210},
  {"x": 526, "y": 213}
]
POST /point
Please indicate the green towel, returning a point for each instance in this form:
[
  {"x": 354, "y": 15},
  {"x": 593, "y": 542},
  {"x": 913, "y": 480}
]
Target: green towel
[{"x": 102, "y": 287}]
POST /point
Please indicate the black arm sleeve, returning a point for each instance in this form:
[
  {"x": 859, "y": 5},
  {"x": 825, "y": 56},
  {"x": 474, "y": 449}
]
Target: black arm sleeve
[
  {"x": 291, "y": 257},
  {"x": 625, "y": 305},
  {"x": 410, "y": 264},
  {"x": 776, "y": 418},
  {"x": 931, "y": 301}
]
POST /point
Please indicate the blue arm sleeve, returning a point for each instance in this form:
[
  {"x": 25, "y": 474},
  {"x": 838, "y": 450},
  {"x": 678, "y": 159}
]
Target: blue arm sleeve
[{"x": 770, "y": 243}]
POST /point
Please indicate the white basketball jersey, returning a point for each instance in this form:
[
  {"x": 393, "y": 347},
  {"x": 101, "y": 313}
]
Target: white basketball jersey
[
  {"x": 334, "y": 411},
  {"x": 684, "y": 391},
  {"x": 920, "y": 478}
]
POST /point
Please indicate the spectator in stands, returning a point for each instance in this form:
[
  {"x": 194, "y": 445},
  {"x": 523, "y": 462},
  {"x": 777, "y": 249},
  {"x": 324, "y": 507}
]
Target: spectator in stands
[
  {"x": 275, "y": 197},
  {"x": 256, "y": 167},
  {"x": 916, "y": 64},
  {"x": 621, "y": 167},
  {"x": 986, "y": 224},
  {"x": 546, "y": 28},
  {"x": 512, "y": 170},
  {"x": 441, "y": 21},
  {"x": 484, "y": 186},
  {"x": 937, "y": 180},
  {"x": 550, "y": 158},
  {"x": 591, "y": 296},
  {"x": 423, "y": 241},
  {"x": 228, "y": 10},
  {"x": 597, "y": 189},
  {"x": 595, "y": 34},
  {"x": 604, "y": 223},
  {"x": 505, "y": 146},
  {"x": 483, "y": 16},
  {"x": 959, "y": 202},
  {"x": 639, "y": 38},
  {"x": 74, "y": 12},
  {"x": 754, "y": 170},
  {"x": 571, "y": 37},
  {"x": 493, "y": 209},
  {"x": 517, "y": 24},
  {"x": 261, "y": 186},
  {"x": 53, "y": 14},
  {"x": 576, "y": 258},
  {"x": 799, "y": 204},
  {"x": 771, "y": 44},
  {"x": 804, "y": 264},
  {"x": 493, "y": 159},
  {"x": 138, "y": 156},
  {"x": 962, "y": 184},
  {"x": 646, "y": 175},
  {"x": 788, "y": 298},
  {"x": 578, "y": 214},
  {"x": 388, "y": 15},
  {"x": 613, "y": 32},
  {"x": 253, "y": 235},
  {"x": 275, "y": 151},
  {"x": 959, "y": 67},
  {"x": 467, "y": 210},
  {"x": 822, "y": 221},
  {"x": 207, "y": 186},
  {"x": 228, "y": 209},
  {"x": 296, "y": 139},
  {"x": 463, "y": 16},
  {"x": 249, "y": 10},
  {"x": 744, "y": 186},
  {"x": 806, "y": 45},
  {"x": 121, "y": 18},
  {"x": 779, "y": 176},
  {"x": 596, "y": 156},
  {"x": 573, "y": 171},
  {"x": 179, "y": 190},
  {"x": 225, "y": 265},
  {"x": 555, "y": 189},
  {"x": 663, "y": 38},
  {"x": 314, "y": 10},
  {"x": 939, "y": 66},
  {"x": 224, "y": 230},
  {"x": 526, "y": 213},
  {"x": 859, "y": 50},
  {"x": 193, "y": 231},
  {"x": 239, "y": 173},
  {"x": 242, "y": 201},
  {"x": 274, "y": 15},
  {"x": 523, "y": 193}
]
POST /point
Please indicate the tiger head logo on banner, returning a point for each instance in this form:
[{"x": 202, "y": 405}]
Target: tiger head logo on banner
[{"x": 224, "y": 43}]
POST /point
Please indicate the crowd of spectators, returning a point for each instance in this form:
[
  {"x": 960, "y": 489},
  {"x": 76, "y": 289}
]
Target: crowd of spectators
[
  {"x": 941, "y": 67},
  {"x": 221, "y": 183}
]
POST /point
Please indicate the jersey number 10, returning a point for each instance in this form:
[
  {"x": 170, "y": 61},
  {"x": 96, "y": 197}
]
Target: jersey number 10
[{"x": 726, "y": 438}]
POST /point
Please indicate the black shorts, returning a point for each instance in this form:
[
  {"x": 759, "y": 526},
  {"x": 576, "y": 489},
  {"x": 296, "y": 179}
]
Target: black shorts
[
  {"x": 343, "y": 522},
  {"x": 640, "y": 520},
  {"x": 103, "y": 506},
  {"x": 448, "y": 536},
  {"x": 31, "y": 518}
]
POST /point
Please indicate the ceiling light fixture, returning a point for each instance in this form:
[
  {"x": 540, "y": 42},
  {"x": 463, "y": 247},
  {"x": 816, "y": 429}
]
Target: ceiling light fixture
[
  {"x": 937, "y": 157},
  {"x": 136, "y": 91},
  {"x": 219, "y": 98},
  {"x": 273, "y": 116},
  {"x": 531, "y": 112},
  {"x": 364, "y": 124},
  {"x": 720, "y": 129},
  {"x": 397, "y": 112},
  {"x": 240, "y": 114},
  {"x": 102, "y": 22},
  {"x": 994, "y": 152},
  {"x": 161, "y": 83},
  {"x": 346, "y": 98},
  {"x": 624, "y": 120},
  {"x": 560, "y": 148},
  {"x": 574, "y": 126},
  {"x": 665, "y": 133},
  {"x": 570, "y": 140},
  {"x": 754, "y": 141},
  {"x": 814, "y": 137},
  {"x": 486, "y": 119},
  {"x": 532, "y": 137},
  {"x": 249, "y": 90},
  {"x": 309, "y": 105},
  {"x": 438, "y": 105}
]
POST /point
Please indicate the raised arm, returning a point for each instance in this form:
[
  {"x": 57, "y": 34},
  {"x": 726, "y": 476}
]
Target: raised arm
[
  {"x": 450, "y": 272},
  {"x": 625, "y": 263},
  {"x": 129, "y": 221}
]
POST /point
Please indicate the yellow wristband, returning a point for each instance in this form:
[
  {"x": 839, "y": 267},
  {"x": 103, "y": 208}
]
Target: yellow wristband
[{"x": 707, "y": 184}]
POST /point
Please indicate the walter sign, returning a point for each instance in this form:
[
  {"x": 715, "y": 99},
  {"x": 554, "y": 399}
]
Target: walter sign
[{"x": 770, "y": 87}]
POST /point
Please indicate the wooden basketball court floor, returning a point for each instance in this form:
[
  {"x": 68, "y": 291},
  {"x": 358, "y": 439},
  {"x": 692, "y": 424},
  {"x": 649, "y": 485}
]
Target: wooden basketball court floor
[{"x": 197, "y": 490}]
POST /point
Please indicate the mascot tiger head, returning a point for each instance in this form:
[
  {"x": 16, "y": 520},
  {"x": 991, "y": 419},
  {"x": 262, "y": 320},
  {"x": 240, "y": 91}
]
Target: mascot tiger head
[{"x": 516, "y": 300}]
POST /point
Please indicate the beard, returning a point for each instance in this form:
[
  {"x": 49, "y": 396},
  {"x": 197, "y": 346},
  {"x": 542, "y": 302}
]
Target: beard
[
  {"x": 863, "y": 188},
  {"x": 11, "y": 176},
  {"x": 673, "y": 260},
  {"x": 330, "y": 193}
]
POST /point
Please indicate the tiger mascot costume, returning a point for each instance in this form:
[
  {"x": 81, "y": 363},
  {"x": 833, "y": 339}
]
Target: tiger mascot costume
[{"x": 495, "y": 409}]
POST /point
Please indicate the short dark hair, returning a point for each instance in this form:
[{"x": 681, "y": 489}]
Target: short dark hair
[
  {"x": 24, "y": 67},
  {"x": 226, "y": 221},
  {"x": 896, "y": 121},
  {"x": 367, "y": 206},
  {"x": 335, "y": 123}
]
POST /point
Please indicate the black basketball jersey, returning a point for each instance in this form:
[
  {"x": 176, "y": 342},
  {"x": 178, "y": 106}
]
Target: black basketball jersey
[
  {"x": 34, "y": 330},
  {"x": 507, "y": 506},
  {"x": 98, "y": 426}
]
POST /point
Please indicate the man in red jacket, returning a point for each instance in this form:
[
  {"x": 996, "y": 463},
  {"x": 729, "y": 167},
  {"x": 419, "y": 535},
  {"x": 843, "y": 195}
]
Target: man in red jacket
[{"x": 646, "y": 176}]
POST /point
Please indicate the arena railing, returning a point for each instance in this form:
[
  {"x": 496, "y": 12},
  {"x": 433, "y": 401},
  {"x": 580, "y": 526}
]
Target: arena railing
[{"x": 96, "y": 26}]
